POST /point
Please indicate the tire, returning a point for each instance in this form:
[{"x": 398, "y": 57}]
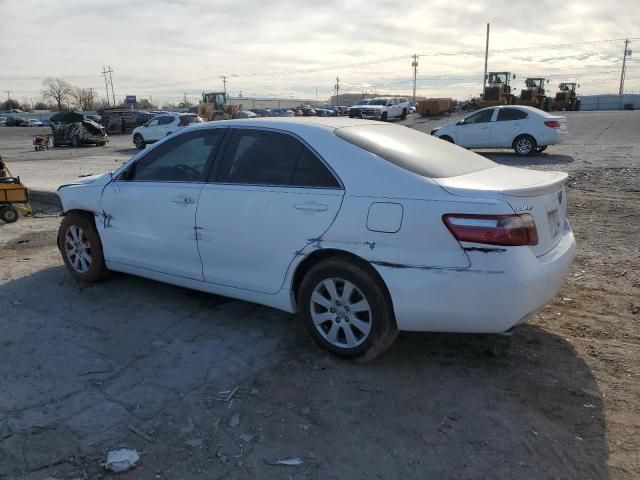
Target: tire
[
  {"x": 524, "y": 145},
  {"x": 383, "y": 117},
  {"x": 404, "y": 114},
  {"x": 447, "y": 138},
  {"x": 578, "y": 105},
  {"x": 9, "y": 214},
  {"x": 77, "y": 235},
  {"x": 359, "y": 335},
  {"x": 138, "y": 141},
  {"x": 75, "y": 141}
]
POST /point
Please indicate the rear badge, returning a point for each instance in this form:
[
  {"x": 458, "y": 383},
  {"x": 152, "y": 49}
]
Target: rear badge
[{"x": 524, "y": 208}]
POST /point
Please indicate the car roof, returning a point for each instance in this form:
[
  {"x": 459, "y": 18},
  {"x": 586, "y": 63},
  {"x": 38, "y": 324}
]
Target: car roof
[{"x": 330, "y": 123}]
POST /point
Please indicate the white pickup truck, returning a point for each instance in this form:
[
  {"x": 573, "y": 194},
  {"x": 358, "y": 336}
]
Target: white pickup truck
[{"x": 383, "y": 108}]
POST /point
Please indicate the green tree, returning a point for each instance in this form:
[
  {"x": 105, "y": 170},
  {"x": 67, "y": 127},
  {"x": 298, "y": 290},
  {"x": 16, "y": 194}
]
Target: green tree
[{"x": 10, "y": 103}]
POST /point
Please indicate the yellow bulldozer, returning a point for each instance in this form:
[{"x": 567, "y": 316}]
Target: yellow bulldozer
[
  {"x": 566, "y": 98},
  {"x": 214, "y": 107},
  {"x": 497, "y": 91},
  {"x": 533, "y": 94}
]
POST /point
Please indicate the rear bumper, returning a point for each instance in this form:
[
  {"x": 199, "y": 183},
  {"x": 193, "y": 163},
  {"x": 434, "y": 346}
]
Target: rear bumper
[{"x": 501, "y": 289}]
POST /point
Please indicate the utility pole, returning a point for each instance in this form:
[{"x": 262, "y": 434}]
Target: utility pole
[
  {"x": 111, "y": 82},
  {"x": 8, "y": 94},
  {"x": 627, "y": 53},
  {"x": 185, "y": 100},
  {"x": 337, "y": 91},
  {"x": 224, "y": 82},
  {"x": 414, "y": 64},
  {"x": 106, "y": 87},
  {"x": 486, "y": 58}
]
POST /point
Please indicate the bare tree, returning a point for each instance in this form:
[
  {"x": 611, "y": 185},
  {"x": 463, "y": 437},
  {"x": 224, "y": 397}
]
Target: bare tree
[
  {"x": 83, "y": 98},
  {"x": 56, "y": 89}
]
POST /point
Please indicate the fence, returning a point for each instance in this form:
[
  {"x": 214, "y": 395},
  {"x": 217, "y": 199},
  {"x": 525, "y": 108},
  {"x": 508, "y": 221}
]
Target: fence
[{"x": 609, "y": 102}]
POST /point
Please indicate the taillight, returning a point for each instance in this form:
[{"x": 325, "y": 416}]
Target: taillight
[
  {"x": 508, "y": 230},
  {"x": 552, "y": 123}
]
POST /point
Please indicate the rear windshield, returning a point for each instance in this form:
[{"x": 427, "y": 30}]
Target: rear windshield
[
  {"x": 187, "y": 119},
  {"x": 414, "y": 151}
]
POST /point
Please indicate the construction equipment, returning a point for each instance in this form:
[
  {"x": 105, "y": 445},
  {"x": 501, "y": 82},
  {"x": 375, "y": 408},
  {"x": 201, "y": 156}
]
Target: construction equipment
[
  {"x": 566, "y": 98},
  {"x": 214, "y": 107},
  {"x": 533, "y": 94},
  {"x": 432, "y": 107},
  {"x": 11, "y": 192},
  {"x": 497, "y": 91}
]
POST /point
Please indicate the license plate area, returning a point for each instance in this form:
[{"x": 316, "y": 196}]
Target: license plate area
[{"x": 554, "y": 222}]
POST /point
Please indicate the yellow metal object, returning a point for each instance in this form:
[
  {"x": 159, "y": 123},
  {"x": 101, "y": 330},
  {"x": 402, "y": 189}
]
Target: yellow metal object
[{"x": 12, "y": 192}]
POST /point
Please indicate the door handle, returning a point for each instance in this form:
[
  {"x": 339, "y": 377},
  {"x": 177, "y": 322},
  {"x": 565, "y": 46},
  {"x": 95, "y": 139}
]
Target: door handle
[
  {"x": 183, "y": 199},
  {"x": 312, "y": 207}
]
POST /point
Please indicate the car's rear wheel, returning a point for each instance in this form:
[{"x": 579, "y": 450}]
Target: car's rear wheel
[
  {"x": 81, "y": 248},
  {"x": 138, "y": 141},
  {"x": 524, "y": 145},
  {"x": 404, "y": 114},
  {"x": 346, "y": 310},
  {"x": 9, "y": 213}
]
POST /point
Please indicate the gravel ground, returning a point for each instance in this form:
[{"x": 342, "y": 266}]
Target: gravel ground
[{"x": 133, "y": 363}]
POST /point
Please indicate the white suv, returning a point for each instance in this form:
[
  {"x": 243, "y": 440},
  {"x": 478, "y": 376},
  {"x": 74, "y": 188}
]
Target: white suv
[
  {"x": 162, "y": 125},
  {"x": 384, "y": 108}
]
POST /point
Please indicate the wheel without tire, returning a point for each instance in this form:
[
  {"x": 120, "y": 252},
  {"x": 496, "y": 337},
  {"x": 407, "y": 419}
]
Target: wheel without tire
[
  {"x": 524, "y": 145},
  {"x": 81, "y": 248},
  {"x": 9, "y": 214},
  {"x": 138, "y": 141},
  {"x": 346, "y": 310}
]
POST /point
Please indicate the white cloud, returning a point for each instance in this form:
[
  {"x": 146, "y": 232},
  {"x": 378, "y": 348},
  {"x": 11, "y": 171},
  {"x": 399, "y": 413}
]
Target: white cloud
[{"x": 161, "y": 48}]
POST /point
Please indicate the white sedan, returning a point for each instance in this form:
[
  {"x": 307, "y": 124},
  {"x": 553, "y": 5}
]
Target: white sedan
[
  {"x": 161, "y": 126},
  {"x": 362, "y": 228},
  {"x": 525, "y": 129}
]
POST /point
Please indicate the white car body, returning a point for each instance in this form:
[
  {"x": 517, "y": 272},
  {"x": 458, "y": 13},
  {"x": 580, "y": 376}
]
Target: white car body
[
  {"x": 499, "y": 128},
  {"x": 248, "y": 240},
  {"x": 161, "y": 126},
  {"x": 34, "y": 122},
  {"x": 383, "y": 108}
]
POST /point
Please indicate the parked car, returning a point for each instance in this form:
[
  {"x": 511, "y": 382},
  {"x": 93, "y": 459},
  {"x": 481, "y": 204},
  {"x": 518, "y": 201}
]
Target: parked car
[
  {"x": 384, "y": 108},
  {"x": 525, "y": 129},
  {"x": 411, "y": 233},
  {"x": 93, "y": 117},
  {"x": 162, "y": 125},
  {"x": 3, "y": 121},
  {"x": 72, "y": 128},
  {"x": 34, "y": 122},
  {"x": 14, "y": 121},
  {"x": 354, "y": 112},
  {"x": 245, "y": 114},
  {"x": 282, "y": 112},
  {"x": 261, "y": 112}
]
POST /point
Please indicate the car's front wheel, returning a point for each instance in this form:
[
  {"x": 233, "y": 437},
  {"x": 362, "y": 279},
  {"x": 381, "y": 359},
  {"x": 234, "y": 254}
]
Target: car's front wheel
[
  {"x": 383, "y": 117},
  {"x": 404, "y": 114},
  {"x": 524, "y": 145},
  {"x": 81, "y": 248},
  {"x": 138, "y": 141},
  {"x": 347, "y": 310}
]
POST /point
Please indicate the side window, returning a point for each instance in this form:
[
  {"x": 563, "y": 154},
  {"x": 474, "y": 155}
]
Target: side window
[
  {"x": 483, "y": 116},
  {"x": 153, "y": 123},
  {"x": 165, "y": 120},
  {"x": 508, "y": 114},
  {"x": 311, "y": 172},
  {"x": 258, "y": 157},
  {"x": 182, "y": 159}
]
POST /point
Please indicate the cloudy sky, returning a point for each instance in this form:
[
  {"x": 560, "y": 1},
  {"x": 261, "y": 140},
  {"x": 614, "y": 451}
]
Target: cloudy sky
[{"x": 283, "y": 48}]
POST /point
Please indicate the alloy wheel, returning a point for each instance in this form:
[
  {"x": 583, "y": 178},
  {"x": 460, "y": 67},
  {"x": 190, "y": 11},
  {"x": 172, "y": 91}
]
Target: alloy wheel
[
  {"x": 524, "y": 146},
  {"x": 341, "y": 313},
  {"x": 78, "y": 249}
]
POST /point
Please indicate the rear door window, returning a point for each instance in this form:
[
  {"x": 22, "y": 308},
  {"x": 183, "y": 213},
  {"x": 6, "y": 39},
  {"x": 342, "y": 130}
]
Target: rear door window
[
  {"x": 260, "y": 157},
  {"x": 509, "y": 114}
]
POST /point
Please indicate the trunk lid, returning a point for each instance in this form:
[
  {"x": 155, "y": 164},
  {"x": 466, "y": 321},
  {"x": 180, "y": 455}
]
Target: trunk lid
[{"x": 541, "y": 194}]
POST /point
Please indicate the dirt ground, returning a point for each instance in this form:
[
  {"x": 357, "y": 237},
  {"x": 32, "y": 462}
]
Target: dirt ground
[{"x": 559, "y": 399}]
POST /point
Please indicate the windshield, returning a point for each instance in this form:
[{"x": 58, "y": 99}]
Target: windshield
[
  {"x": 415, "y": 151},
  {"x": 380, "y": 101},
  {"x": 363, "y": 102}
]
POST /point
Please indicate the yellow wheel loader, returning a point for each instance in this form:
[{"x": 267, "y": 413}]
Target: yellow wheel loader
[
  {"x": 533, "y": 95},
  {"x": 497, "y": 91}
]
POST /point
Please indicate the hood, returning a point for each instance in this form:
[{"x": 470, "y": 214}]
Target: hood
[{"x": 100, "y": 179}]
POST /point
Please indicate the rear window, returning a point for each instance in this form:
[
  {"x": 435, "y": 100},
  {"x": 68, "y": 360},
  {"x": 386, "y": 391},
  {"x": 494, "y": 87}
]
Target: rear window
[
  {"x": 415, "y": 151},
  {"x": 189, "y": 119}
]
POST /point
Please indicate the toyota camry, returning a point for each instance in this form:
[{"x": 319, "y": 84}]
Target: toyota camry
[{"x": 362, "y": 228}]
